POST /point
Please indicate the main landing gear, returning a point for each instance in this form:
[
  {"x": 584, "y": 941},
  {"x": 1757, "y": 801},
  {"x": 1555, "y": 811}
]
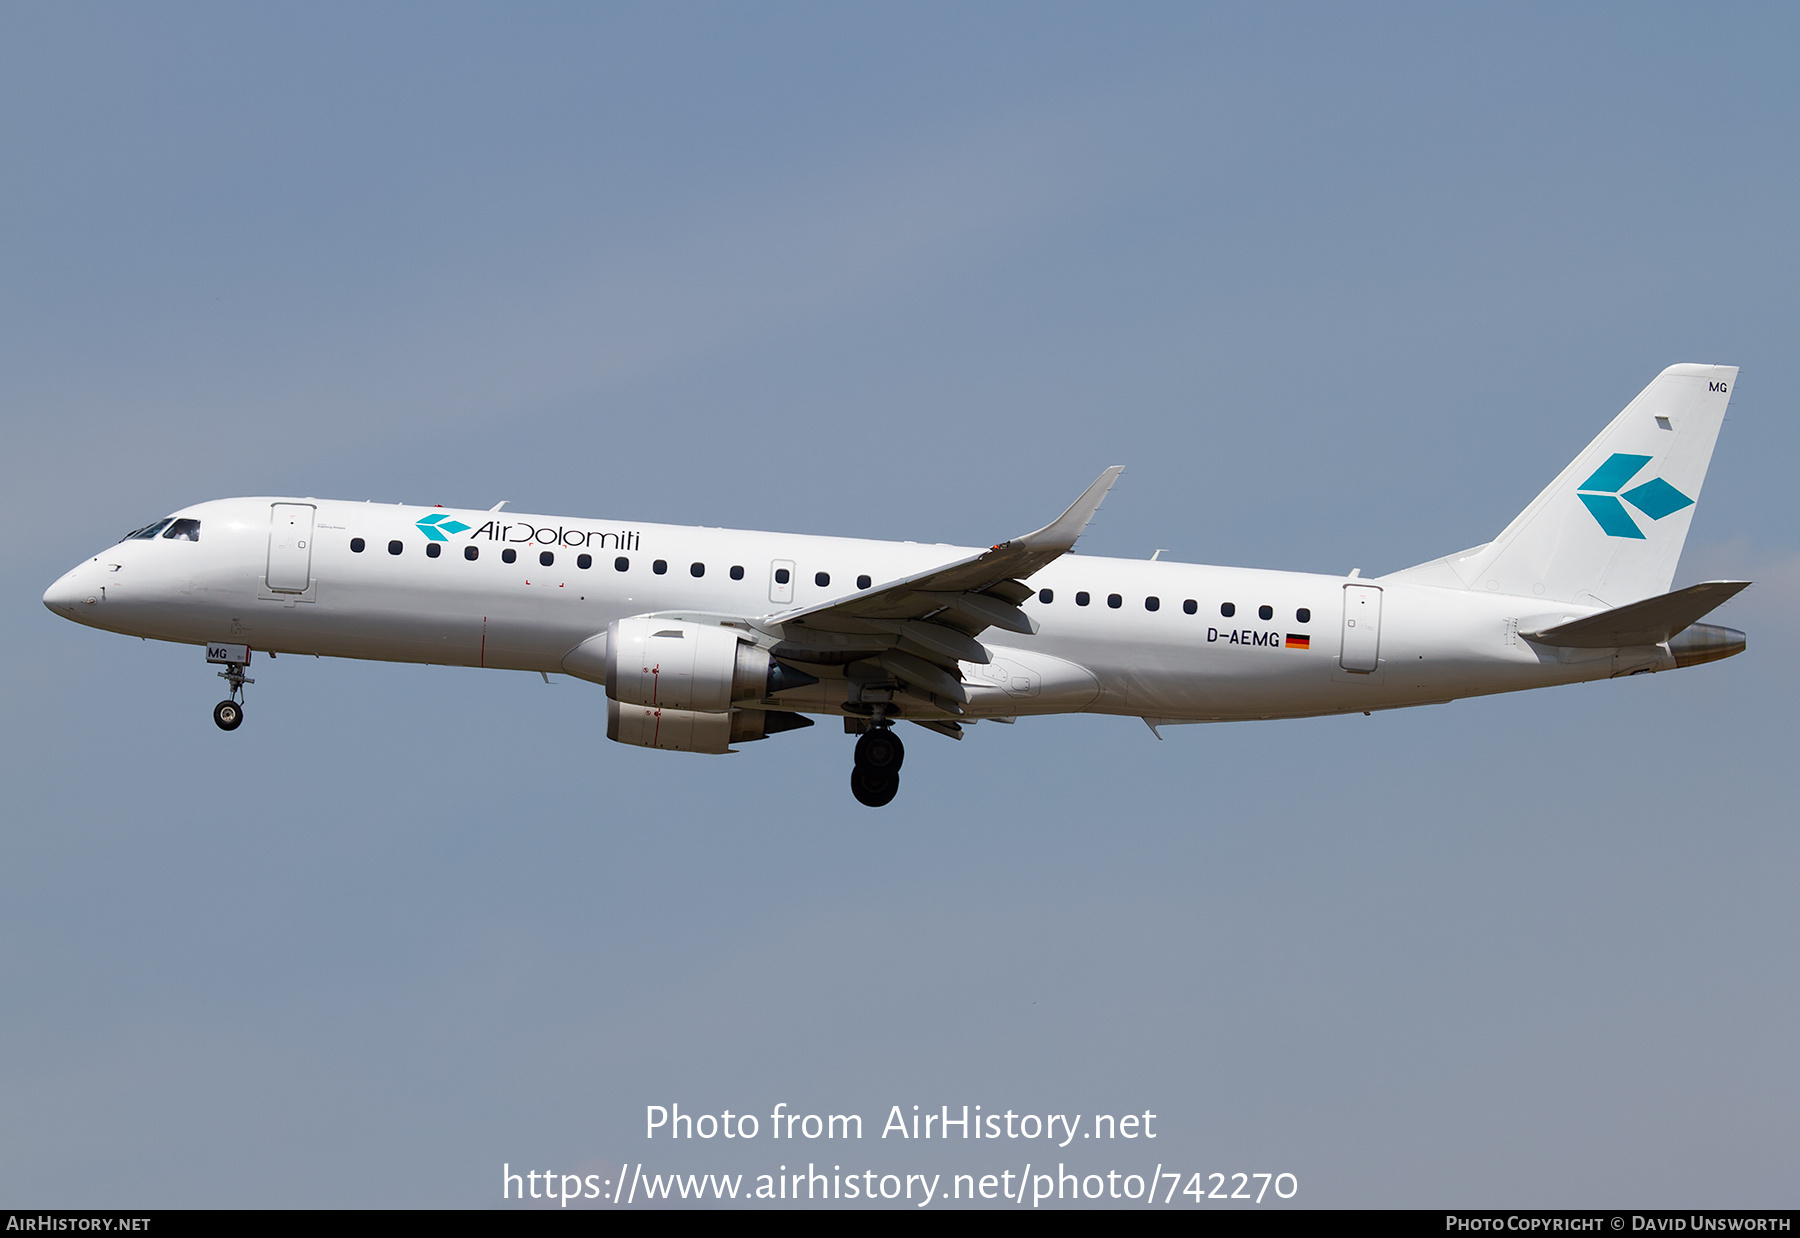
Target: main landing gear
[
  {"x": 230, "y": 714},
  {"x": 879, "y": 754}
]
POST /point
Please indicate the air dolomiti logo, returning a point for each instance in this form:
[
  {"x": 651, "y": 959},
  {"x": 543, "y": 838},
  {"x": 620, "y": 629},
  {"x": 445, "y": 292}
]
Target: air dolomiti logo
[
  {"x": 436, "y": 525},
  {"x": 442, "y": 526},
  {"x": 1601, "y": 493}
]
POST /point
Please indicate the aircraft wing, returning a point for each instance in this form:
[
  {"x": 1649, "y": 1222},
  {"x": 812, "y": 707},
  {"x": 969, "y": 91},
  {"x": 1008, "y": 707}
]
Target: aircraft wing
[{"x": 919, "y": 627}]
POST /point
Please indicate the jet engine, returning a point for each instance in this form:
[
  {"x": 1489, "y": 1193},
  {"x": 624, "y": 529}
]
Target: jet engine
[
  {"x": 689, "y": 730},
  {"x": 678, "y": 664}
]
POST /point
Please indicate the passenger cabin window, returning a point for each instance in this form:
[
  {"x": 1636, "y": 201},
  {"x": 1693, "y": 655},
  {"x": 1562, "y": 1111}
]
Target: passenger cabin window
[
  {"x": 821, "y": 579},
  {"x": 584, "y": 562},
  {"x": 1152, "y": 603},
  {"x": 1114, "y": 600},
  {"x": 148, "y": 531},
  {"x": 697, "y": 570},
  {"x": 471, "y": 553},
  {"x": 546, "y": 558},
  {"x": 357, "y": 544},
  {"x": 395, "y": 548},
  {"x": 621, "y": 564},
  {"x": 1081, "y": 599},
  {"x": 863, "y": 582},
  {"x": 737, "y": 571},
  {"x": 1046, "y": 596},
  {"x": 433, "y": 550},
  {"x": 1190, "y": 607},
  {"x": 184, "y": 531},
  {"x": 660, "y": 567},
  {"x": 1228, "y": 609},
  {"x": 509, "y": 555},
  {"x": 1303, "y": 615},
  {"x": 1265, "y": 612},
  {"x": 782, "y": 576}
]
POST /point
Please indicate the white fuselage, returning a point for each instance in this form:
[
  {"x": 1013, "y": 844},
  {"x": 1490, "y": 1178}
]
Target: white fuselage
[{"x": 1184, "y": 660}]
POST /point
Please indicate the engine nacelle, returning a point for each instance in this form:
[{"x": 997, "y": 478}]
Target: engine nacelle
[
  {"x": 689, "y": 730},
  {"x": 676, "y": 664}
]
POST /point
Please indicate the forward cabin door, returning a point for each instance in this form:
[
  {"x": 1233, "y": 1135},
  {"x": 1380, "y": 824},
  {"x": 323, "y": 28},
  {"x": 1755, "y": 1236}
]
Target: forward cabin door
[
  {"x": 290, "y": 547},
  {"x": 1362, "y": 628}
]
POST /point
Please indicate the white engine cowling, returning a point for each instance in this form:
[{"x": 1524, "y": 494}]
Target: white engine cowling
[
  {"x": 677, "y": 730},
  {"x": 675, "y": 664},
  {"x": 688, "y": 730}
]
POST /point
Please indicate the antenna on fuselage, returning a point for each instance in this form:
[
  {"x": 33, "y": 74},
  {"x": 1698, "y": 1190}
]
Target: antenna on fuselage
[{"x": 502, "y": 503}]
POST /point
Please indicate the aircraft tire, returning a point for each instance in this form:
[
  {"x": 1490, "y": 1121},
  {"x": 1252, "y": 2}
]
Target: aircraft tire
[
  {"x": 881, "y": 750},
  {"x": 875, "y": 789},
  {"x": 229, "y": 715}
]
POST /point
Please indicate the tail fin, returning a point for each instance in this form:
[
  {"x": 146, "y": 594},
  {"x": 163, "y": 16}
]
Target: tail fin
[{"x": 1610, "y": 528}]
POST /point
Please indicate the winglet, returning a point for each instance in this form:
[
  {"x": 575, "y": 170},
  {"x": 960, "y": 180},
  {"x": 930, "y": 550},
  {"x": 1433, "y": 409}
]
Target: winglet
[{"x": 1060, "y": 534}]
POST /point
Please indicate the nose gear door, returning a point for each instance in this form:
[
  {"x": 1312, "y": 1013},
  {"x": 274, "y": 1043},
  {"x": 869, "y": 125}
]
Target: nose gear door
[{"x": 290, "y": 547}]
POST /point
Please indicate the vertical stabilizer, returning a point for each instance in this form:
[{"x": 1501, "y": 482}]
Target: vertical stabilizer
[{"x": 1610, "y": 528}]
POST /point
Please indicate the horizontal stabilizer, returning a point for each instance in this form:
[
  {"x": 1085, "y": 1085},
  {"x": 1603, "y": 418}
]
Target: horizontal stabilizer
[{"x": 1649, "y": 622}]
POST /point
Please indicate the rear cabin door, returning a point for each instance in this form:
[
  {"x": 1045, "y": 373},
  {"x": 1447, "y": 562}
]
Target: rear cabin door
[
  {"x": 781, "y": 581},
  {"x": 1362, "y": 628},
  {"x": 290, "y": 547}
]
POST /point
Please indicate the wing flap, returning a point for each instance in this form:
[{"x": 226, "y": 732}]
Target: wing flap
[
  {"x": 983, "y": 610},
  {"x": 924, "y": 674}
]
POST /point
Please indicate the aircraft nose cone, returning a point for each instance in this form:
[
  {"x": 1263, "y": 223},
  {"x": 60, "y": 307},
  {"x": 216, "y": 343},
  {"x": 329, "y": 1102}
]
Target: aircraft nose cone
[{"x": 70, "y": 595}]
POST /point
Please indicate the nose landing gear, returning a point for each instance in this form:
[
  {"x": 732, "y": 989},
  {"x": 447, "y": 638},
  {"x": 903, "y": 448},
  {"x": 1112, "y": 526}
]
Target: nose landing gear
[
  {"x": 875, "y": 779},
  {"x": 230, "y": 714}
]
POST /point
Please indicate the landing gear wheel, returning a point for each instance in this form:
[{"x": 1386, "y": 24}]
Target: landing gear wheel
[
  {"x": 873, "y": 788},
  {"x": 230, "y": 714},
  {"x": 881, "y": 750}
]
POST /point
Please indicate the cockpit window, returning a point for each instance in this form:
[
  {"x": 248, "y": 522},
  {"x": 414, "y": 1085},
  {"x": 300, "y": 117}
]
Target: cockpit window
[
  {"x": 184, "y": 531},
  {"x": 147, "y": 532}
]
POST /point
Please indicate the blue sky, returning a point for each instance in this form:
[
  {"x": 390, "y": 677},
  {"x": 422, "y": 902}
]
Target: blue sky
[{"x": 1339, "y": 287}]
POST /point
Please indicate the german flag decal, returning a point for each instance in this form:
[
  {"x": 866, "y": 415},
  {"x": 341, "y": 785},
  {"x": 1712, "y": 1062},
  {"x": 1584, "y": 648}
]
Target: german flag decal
[{"x": 1298, "y": 642}]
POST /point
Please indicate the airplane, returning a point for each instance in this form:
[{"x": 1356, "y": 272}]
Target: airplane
[{"x": 705, "y": 638}]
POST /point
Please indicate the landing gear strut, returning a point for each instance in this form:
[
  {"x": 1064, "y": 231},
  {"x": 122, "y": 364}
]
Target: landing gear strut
[
  {"x": 875, "y": 780},
  {"x": 230, "y": 714}
]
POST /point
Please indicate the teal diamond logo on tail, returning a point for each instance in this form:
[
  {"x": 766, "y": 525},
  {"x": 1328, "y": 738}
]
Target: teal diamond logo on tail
[
  {"x": 1601, "y": 493},
  {"x": 437, "y": 524}
]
